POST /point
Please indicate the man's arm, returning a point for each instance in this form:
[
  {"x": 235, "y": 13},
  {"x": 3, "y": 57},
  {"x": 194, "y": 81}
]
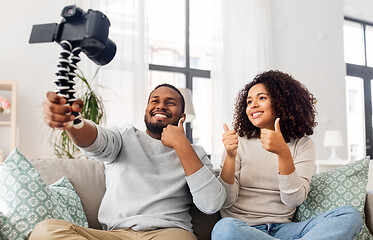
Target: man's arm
[
  {"x": 174, "y": 137},
  {"x": 202, "y": 182},
  {"x": 57, "y": 114}
]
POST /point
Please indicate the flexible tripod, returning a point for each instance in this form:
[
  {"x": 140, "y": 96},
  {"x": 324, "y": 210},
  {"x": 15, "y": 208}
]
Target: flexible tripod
[{"x": 67, "y": 64}]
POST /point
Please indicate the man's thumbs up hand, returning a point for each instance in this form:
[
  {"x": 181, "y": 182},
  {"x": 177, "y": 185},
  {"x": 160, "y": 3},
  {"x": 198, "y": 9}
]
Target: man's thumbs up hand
[
  {"x": 181, "y": 122},
  {"x": 173, "y": 135}
]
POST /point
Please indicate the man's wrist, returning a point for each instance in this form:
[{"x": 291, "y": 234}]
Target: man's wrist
[{"x": 181, "y": 143}]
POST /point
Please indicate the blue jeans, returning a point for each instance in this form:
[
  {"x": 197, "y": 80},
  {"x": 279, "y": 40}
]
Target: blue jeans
[{"x": 339, "y": 223}]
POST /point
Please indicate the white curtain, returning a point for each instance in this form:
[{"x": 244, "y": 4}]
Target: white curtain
[
  {"x": 242, "y": 50},
  {"x": 123, "y": 82}
]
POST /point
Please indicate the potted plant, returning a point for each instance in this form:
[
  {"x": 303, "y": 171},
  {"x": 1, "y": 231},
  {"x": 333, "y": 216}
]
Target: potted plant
[{"x": 93, "y": 109}]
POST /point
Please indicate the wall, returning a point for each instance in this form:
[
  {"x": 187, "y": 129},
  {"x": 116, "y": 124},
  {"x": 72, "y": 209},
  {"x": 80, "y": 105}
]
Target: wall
[
  {"x": 32, "y": 66},
  {"x": 308, "y": 43}
]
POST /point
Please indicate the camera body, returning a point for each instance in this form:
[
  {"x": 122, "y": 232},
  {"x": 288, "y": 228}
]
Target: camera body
[{"x": 88, "y": 30}]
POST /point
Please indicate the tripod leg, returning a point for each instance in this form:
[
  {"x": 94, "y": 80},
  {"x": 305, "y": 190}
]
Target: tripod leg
[{"x": 66, "y": 67}]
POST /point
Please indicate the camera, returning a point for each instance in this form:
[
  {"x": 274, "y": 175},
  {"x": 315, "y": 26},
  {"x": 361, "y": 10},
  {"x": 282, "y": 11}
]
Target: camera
[{"x": 88, "y": 30}]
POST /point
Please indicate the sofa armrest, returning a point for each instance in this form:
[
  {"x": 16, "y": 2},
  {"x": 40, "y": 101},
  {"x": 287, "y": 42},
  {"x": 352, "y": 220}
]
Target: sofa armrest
[
  {"x": 369, "y": 211},
  {"x": 203, "y": 223}
]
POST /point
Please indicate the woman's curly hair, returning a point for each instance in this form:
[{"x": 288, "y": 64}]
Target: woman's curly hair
[{"x": 291, "y": 102}]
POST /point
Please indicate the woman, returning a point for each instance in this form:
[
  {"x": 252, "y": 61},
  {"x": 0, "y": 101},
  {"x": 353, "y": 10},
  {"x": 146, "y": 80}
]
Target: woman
[{"x": 269, "y": 163}]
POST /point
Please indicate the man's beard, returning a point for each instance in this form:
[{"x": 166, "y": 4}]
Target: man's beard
[{"x": 156, "y": 128}]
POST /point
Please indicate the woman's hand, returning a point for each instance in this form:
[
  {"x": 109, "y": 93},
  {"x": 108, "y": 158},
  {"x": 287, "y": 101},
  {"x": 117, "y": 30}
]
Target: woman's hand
[
  {"x": 230, "y": 141},
  {"x": 273, "y": 141}
]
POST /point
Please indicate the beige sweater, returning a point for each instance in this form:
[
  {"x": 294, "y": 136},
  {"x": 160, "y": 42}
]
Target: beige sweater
[{"x": 260, "y": 195}]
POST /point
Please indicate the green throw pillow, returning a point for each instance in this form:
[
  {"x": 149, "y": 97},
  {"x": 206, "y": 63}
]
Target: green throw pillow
[
  {"x": 25, "y": 199},
  {"x": 65, "y": 192},
  {"x": 341, "y": 186}
]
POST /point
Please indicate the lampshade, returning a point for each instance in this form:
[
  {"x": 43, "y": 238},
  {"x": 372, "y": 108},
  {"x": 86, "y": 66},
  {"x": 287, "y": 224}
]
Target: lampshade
[
  {"x": 189, "y": 110},
  {"x": 333, "y": 138}
]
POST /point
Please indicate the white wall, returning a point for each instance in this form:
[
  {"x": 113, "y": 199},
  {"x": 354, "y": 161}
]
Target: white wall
[
  {"x": 307, "y": 42},
  {"x": 32, "y": 66}
]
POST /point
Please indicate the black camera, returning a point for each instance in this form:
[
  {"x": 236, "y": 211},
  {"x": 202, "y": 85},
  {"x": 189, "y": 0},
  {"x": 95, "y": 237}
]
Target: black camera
[{"x": 88, "y": 30}]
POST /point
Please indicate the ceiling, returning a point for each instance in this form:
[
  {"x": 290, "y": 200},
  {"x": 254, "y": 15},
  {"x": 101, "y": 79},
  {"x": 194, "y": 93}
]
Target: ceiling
[{"x": 359, "y": 9}]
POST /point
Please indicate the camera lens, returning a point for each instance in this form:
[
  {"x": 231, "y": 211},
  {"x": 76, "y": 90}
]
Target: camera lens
[{"x": 106, "y": 55}]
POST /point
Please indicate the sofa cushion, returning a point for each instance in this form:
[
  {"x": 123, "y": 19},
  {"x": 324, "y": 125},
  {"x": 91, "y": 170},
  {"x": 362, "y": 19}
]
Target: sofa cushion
[
  {"x": 345, "y": 185},
  {"x": 86, "y": 175},
  {"x": 203, "y": 223},
  {"x": 66, "y": 193},
  {"x": 25, "y": 199}
]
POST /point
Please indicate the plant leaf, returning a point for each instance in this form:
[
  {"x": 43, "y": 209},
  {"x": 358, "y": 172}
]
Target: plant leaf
[{"x": 93, "y": 109}]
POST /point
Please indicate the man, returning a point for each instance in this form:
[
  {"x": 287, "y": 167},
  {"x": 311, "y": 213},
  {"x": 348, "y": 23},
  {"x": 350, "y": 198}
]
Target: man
[{"x": 151, "y": 177}]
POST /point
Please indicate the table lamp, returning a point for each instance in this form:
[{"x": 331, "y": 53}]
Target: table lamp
[
  {"x": 189, "y": 109},
  {"x": 333, "y": 139}
]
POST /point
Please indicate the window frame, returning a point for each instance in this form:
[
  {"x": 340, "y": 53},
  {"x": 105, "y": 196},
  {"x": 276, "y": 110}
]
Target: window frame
[
  {"x": 366, "y": 73},
  {"x": 189, "y": 72}
]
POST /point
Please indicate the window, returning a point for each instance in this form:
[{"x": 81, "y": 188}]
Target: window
[
  {"x": 358, "y": 49},
  {"x": 180, "y": 34},
  {"x": 355, "y": 117}
]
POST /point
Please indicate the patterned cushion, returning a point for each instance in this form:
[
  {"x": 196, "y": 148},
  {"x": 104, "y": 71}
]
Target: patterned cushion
[
  {"x": 25, "y": 199},
  {"x": 341, "y": 186},
  {"x": 65, "y": 192}
]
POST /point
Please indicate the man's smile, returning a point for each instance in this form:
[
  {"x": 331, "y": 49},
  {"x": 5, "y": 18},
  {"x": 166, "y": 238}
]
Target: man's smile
[{"x": 160, "y": 115}]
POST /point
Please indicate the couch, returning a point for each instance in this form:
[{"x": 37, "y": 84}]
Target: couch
[{"x": 88, "y": 178}]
